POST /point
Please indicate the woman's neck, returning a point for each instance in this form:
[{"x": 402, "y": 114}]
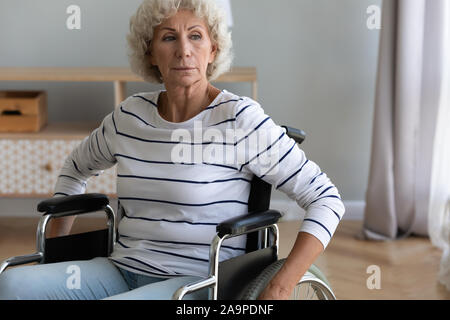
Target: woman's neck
[{"x": 179, "y": 104}]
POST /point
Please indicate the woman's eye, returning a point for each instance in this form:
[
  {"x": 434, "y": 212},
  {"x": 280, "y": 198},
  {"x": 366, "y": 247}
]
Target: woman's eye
[
  {"x": 196, "y": 37},
  {"x": 169, "y": 38}
]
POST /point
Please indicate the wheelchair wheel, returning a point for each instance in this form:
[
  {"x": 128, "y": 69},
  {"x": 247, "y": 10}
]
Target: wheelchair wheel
[{"x": 312, "y": 286}]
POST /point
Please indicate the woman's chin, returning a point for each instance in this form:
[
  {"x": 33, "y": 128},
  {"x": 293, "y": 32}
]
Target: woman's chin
[{"x": 185, "y": 80}]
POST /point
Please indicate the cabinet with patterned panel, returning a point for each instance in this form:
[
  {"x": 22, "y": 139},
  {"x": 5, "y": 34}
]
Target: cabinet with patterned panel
[{"x": 29, "y": 167}]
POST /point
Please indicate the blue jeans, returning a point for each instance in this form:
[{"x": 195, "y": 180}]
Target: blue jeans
[{"x": 93, "y": 279}]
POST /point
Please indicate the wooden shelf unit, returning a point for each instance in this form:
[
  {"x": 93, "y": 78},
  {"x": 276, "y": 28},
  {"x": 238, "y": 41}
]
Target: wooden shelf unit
[
  {"x": 118, "y": 75},
  {"x": 59, "y": 130},
  {"x": 21, "y": 171}
]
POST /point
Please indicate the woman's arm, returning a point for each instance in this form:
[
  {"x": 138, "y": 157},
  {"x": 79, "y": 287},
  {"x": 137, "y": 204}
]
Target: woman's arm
[
  {"x": 60, "y": 226},
  {"x": 305, "y": 251},
  {"x": 93, "y": 155},
  {"x": 301, "y": 179}
]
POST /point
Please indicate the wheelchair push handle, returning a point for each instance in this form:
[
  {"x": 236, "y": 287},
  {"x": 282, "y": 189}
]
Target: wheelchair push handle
[{"x": 296, "y": 134}]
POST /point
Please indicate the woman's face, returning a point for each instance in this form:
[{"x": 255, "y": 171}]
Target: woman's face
[{"x": 181, "y": 48}]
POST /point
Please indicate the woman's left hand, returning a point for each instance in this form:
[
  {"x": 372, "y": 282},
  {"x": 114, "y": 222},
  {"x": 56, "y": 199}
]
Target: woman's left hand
[
  {"x": 306, "y": 249},
  {"x": 275, "y": 292}
]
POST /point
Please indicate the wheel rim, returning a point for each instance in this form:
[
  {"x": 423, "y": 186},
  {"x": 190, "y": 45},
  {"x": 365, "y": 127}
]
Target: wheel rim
[{"x": 312, "y": 288}]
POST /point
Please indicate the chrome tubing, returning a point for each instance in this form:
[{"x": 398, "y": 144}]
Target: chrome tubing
[
  {"x": 111, "y": 228},
  {"x": 18, "y": 260},
  {"x": 204, "y": 283},
  {"x": 40, "y": 232},
  {"x": 212, "y": 280},
  {"x": 214, "y": 264},
  {"x": 43, "y": 222},
  {"x": 214, "y": 255}
]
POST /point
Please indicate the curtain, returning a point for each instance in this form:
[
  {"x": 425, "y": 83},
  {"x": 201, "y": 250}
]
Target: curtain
[
  {"x": 410, "y": 86},
  {"x": 439, "y": 211},
  {"x": 409, "y": 182}
]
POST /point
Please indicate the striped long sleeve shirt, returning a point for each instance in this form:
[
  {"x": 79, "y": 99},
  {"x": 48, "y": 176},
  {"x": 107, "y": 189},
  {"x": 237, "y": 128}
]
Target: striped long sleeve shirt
[{"x": 177, "y": 181}]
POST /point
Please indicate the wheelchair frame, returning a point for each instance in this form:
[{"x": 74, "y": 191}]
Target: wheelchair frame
[
  {"x": 39, "y": 255},
  {"x": 213, "y": 280}
]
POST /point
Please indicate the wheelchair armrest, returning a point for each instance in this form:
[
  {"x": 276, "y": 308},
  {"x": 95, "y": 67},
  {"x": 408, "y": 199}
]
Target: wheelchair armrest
[
  {"x": 74, "y": 204},
  {"x": 248, "y": 222},
  {"x": 296, "y": 134}
]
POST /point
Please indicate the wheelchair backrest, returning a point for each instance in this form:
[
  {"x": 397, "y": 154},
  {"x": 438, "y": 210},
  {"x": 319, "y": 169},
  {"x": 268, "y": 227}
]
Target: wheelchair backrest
[{"x": 258, "y": 200}]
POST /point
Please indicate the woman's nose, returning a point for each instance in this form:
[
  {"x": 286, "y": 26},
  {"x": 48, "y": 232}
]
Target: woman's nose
[{"x": 183, "y": 48}]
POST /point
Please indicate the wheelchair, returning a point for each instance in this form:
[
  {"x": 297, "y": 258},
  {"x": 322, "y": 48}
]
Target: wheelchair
[{"x": 240, "y": 278}]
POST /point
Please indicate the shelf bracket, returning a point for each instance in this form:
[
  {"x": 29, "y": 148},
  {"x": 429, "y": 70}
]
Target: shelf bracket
[{"x": 119, "y": 92}]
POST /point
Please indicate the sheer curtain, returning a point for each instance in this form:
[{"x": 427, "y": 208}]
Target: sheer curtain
[
  {"x": 409, "y": 183},
  {"x": 439, "y": 211}
]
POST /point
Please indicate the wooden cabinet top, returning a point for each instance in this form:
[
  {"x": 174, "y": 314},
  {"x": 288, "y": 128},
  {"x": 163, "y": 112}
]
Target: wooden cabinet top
[{"x": 103, "y": 74}]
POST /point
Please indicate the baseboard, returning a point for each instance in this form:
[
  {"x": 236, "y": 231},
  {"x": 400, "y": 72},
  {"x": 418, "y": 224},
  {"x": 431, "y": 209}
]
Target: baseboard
[{"x": 354, "y": 210}]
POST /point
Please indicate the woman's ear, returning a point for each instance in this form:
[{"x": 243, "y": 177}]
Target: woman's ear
[
  {"x": 213, "y": 53},
  {"x": 149, "y": 53},
  {"x": 150, "y": 57}
]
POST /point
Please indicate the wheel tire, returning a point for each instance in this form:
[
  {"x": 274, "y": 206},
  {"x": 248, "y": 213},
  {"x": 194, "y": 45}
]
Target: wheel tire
[{"x": 313, "y": 276}]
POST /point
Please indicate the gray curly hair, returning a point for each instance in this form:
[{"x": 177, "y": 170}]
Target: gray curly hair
[{"x": 151, "y": 13}]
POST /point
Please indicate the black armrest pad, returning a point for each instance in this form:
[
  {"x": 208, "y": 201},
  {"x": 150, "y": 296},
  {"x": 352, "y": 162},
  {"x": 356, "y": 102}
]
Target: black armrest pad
[
  {"x": 298, "y": 135},
  {"x": 248, "y": 222},
  {"x": 76, "y": 204}
]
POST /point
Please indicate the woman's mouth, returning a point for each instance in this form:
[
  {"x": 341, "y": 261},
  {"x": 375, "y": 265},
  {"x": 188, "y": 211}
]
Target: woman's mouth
[{"x": 183, "y": 69}]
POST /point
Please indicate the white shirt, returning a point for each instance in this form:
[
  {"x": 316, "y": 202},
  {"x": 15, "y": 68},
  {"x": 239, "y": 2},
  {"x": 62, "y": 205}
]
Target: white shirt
[{"x": 174, "y": 194}]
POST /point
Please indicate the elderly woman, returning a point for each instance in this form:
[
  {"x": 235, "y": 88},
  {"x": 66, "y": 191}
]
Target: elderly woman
[{"x": 171, "y": 208}]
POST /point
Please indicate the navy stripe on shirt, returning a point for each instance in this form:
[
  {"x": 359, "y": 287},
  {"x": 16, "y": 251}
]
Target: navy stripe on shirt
[
  {"x": 242, "y": 110},
  {"x": 181, "y": 181},
  {"x": 173, "y": 163},
  {"x": 330, "y": 196},
  {"x": 294, "y": 174},
  {"x": 185, "y": 204},
  {"x": 177, "y": 255},
  {"x": 145, "y": 99},
  {"x": 76, "y": 167},
  {"x": 314, "y": 179},
  {"x": 168, "y": 142},
  {"x": 171, "y": 221},
  {"x": 208, "y": 108},
  {"x": 215, "y": 106},
  {"x": 324, "y": 205},
  {"x": 222, "y": 122},
  {"x": 98, "y": 145},
  {"x": 262, "y": 152},
  {"x": 136, "y": 116},
  {"x": 190, "y": 143},
  {"x": 279, "y": 161},
  {"x": 106, "y": 143},
  {"x": 253, "y": 131},
  {"x": 60, "y": 193},
  {"x": 184, "y": 243},
  {"x": 330, "y": 187},
  {"x": 312, "y": 220},
  {"x": 90, "y": 152}
]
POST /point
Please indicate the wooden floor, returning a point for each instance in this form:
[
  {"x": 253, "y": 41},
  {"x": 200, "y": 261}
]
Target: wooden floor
[{"x": 408, "y": 267}]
